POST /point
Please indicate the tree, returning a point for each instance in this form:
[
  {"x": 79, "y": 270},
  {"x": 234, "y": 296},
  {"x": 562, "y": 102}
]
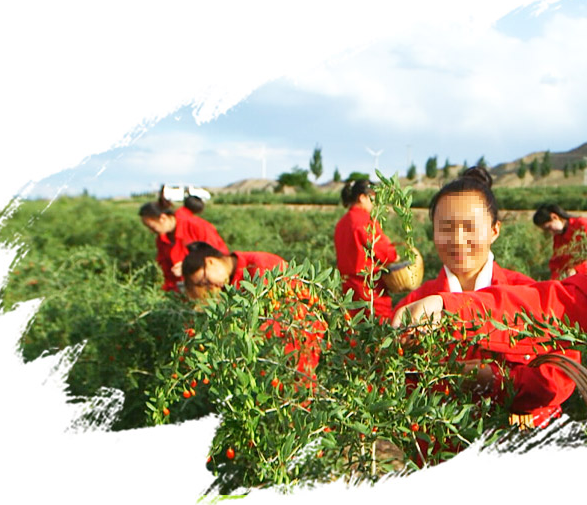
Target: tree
[
  {"x": 481, "y": 162},
  {"x": 535, "y": 167},
  {"x": 464, "y": 168},
  {"x": 546, "y": 165},
  {"x": 446, "y": 169},
  {"x": 566, "y": 170},
  {"x": 357, "y": 176},
  {"x": 336, "y": 177},
  {"x": 316, "y": 162},
  {"x": 431, "y": 167},
  {"x": 522, "y": 169},
  {"x": 411, "y": 174},
  {"x": 297, "y": 178}
]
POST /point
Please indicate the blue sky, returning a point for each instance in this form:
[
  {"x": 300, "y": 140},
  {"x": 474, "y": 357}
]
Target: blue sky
[{"x": 457, "y": 91}]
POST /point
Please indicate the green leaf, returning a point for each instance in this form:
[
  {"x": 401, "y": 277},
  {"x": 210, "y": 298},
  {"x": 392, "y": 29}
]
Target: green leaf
[{"x": 387, "y": 342}]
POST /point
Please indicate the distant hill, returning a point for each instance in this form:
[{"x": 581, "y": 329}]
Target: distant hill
[
  {"x": 504, "y": 175},
  {"x": 246, "y": 186}
]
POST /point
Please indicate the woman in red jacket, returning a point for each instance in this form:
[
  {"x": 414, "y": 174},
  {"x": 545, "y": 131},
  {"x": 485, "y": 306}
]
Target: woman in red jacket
[
  {"x": 207, "y": 267},
  {"x": 563, "y": 227},
  {"x": 354, "y": 234},
  {"x": 465, "y": 223},
  {"x": 207, "y": 270},
  {"x": 539, "y": 391},
  {"x": 175, "y": 230}
]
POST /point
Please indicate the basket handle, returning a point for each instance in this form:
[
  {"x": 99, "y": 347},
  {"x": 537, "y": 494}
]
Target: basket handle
[{"x": 575, "y": 371}]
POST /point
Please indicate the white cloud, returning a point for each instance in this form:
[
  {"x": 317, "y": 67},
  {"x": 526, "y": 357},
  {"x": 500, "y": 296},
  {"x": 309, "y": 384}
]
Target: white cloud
[
  {"x": 465, "y": 77},
  {"x": 184, "y": 155}
]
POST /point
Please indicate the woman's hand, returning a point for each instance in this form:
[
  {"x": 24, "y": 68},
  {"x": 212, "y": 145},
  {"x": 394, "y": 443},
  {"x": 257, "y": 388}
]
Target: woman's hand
[
  {"x": 176, "y": 269},
  {"x": 422, "y": 313},
  {"x": 425, "y": 310}
]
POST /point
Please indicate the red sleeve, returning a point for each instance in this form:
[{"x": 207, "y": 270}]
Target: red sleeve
[
  {"x": 545, "y": 386},
  {"x": 559, "y": 298},
  {"x": 164, "y": 260}
]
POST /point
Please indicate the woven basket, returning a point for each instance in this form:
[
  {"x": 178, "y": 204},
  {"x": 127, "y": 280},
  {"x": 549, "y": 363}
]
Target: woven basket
[{"x": 407, "y": 278}]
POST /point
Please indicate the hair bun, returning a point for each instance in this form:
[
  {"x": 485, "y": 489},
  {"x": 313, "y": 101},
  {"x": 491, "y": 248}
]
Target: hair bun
[
  {"x": 346, "y": 195},
  {"x": 479, "y": 173}
]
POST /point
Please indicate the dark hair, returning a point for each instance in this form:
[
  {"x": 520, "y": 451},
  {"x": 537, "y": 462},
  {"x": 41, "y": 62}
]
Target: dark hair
[
  {"x": 198, "y": 252},
  {"x": 154, "y": 210},
  {"x": 473, "y": 179},
  {"x": 542, "y": 214},
  {"x": 352, "y": 190},
  {"x": 193, "y": 203}
]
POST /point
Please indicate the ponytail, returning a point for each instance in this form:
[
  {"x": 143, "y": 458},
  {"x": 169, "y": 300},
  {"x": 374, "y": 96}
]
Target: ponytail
[{"x": 353, "y": 190}]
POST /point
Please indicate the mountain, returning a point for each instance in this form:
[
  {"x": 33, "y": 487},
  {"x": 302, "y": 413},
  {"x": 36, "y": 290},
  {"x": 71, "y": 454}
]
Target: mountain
[{"x": 504, "y": 174}]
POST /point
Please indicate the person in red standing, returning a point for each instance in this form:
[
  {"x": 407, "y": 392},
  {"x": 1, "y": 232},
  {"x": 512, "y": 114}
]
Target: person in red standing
[
  {"x": 175, "y": 229},
  {"x": 355, "y": 232},
  {"x": 563, "y": 227},
  {"x": 465, "y": 224},
  {"x": 207, "y": 270}
]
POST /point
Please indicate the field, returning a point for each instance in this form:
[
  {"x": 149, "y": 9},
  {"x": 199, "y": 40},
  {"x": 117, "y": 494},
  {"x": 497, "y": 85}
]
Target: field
[{"x": 92, "y": 262}]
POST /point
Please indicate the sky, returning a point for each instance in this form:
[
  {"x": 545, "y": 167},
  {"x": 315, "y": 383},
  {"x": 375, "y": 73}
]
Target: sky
[
  {"x": 132, "y": 92},
  {"x": 499, "y": 84}
]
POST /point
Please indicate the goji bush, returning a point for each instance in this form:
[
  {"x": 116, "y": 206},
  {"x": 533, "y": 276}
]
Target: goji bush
[{"x": 369, "y": 407}]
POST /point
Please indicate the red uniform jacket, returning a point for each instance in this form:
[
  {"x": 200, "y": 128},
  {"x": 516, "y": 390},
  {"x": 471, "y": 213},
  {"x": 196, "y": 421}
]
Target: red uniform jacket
[
  {"x": 253, "y": 262},
  {"x": 539, "y": 391},
  {"x": 560, "y": 261},
  {"x": 500, "y": 276},
  {"x": 173, "y": 249},
  {"x": 351, "y": 237}
]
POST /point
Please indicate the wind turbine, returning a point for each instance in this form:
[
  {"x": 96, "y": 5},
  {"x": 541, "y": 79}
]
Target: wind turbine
[{"x": 376, "y": 155}]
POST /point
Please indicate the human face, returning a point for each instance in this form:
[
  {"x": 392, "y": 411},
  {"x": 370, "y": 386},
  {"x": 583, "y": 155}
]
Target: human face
[
  {"x": 159, "y": 225},
  {"x": 214, "y": 274},
  {"x": 555, "y": 226},
  {"x": 463, "y": 232}
]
